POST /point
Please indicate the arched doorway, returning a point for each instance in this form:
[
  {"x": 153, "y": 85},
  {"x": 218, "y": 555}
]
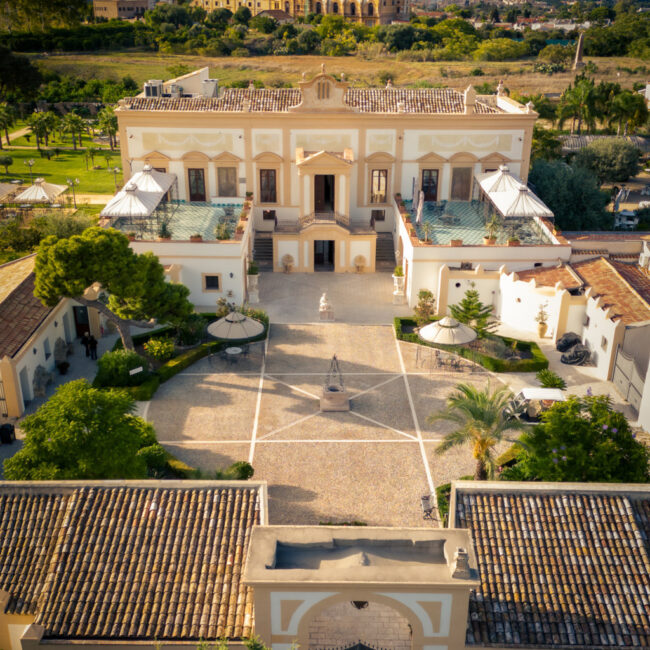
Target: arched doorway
[{"x": 347, "y": 623}]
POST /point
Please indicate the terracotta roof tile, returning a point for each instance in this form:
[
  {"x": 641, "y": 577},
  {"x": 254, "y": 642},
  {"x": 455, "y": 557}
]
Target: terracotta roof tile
[
  {"x": 20, "y": 314},
  {"x": 560, "y": 570},
  {"x": 131, "y": 562},
  {"x": 549, "y": 276},
  {"x": 620, "y": 292},
  {"x": 634, "y": 276},
  {"x": 365, "y": 100}
]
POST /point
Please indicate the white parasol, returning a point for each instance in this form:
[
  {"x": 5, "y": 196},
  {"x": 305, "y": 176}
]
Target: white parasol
[
  {"x": 447, "y": 331},
  {"x": 40, "y": 192},
  {"x": 418, "y": 217},
  {"x": 235, "y": 326}
]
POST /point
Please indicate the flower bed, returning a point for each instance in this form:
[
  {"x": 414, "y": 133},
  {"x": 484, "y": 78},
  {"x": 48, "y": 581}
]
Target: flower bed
[{"x": 535, "y": 361}]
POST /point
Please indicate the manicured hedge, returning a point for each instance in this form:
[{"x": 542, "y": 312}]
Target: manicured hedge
[
  {"x": 185, "y": 359},
  {"x": 143, "y": 337},
  {"x": 537, "y": 362}
]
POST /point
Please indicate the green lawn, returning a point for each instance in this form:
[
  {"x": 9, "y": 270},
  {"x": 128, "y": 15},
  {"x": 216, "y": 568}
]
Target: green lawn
[
  {"x": 70, "y": 164},
  {"x": 55, "y": 141}
]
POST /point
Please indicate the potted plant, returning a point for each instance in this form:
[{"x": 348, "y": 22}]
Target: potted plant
[
  {"x": 131, "y": 236},
  {"x": 398, "y": 286},
  {"x": 196, "y": 237},
  {"x": 222, "y": 232},
  {"x": 359, "y": 263},
  {"x": 513, "y": 241},
  {"x": 542, "y": 320},
  {"x": 426, "y": 231},
  {"x": 164, "y": 234},
  {"x": 239, "y": 231},
  {"x": 492, "y": 230}
]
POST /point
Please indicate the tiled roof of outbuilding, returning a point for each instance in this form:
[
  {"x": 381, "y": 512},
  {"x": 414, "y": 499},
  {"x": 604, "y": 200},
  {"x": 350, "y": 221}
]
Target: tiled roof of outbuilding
[
  {"x": 558, "y": 569},
  {"x": 131, "y": 562},
  {"x": 21, "y": 312},
  {"x": 365, "y": 100},
  {"x": 549, "y": 276}
]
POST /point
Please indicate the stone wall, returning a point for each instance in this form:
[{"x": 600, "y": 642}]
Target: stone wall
[{"x": 342, "y": 625}]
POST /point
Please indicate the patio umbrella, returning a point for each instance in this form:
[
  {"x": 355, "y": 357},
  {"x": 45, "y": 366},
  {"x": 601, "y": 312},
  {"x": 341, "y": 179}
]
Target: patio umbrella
[
  {"x": 40, "y": 192},
  {"x": 525, "y": 204},
  {"x": 150, "y": 180},
  {"x": 499, "y": 181},
  {"x": 447, "y": 331},
  {"x": 418, "y": 217},
  {"x": 235, "y": 326},
  {"x": 131, "y": 202}
]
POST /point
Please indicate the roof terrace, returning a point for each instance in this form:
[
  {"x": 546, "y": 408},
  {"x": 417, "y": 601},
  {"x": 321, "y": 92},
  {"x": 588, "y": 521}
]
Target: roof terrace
[{"x": 444, "y": 221}]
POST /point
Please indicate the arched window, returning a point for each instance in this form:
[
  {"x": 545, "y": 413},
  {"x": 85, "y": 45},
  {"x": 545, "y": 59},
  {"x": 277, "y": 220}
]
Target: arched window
[
  {"x": 318, "y": 8},
  {"x": 335, "y": 7},
  {"x": 371, "y": 9},
  {"x": 353, "y": 9},
  {"x": 323, "y": 88}
]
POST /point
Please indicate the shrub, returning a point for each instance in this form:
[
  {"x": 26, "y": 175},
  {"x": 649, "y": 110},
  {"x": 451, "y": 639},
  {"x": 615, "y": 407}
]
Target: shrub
[
  {"x": 179, "y": 469},
  {"x": 425, "y": 307},
  {"x": 190, "y": 330},
  {"x": 160, "y": 349},
  {"x": 113, "y": 369},
  {"x": 182, "y": 361},
  {"x": 549, "y": 379},
  {"x": 139, "y": 339},
  {"x": 145, "y": 391},
  {"x": 155, "y": 457},
  {"x": 537, "y": 362},
  {"x": 239, "y": 471}
]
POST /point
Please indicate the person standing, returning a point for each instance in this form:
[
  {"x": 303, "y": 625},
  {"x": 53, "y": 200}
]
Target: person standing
[
  {"x": 85, "y": 341},
  {"x": 92, "y": 345}
]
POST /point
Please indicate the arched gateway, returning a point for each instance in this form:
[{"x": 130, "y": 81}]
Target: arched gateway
[{"x": 320, "y": 586}]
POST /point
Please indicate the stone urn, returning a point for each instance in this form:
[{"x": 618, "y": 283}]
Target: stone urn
[
  {"x": 252, "y": 284},
  {"x": 541, "y": 330},
  {"x": 398, "y": 290}
]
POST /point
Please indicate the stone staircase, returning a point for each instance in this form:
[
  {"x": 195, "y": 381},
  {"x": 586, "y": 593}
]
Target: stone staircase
[
  {"x": 385, "y": 252},
  {"x": 263, "y": 249}
]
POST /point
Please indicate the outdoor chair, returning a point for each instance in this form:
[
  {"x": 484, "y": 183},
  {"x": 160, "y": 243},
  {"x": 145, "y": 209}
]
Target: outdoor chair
[
  {"x": 245, "y": 350},
  {"x": 427, "y": 507}
]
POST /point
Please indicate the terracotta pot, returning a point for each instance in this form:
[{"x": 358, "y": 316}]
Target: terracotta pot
[
  {"x": 514, "y": 242},
  {"x": 456, "y": 242},
  {"x": 541, "y": 330},
  {"x": 196, "y": 238},
  {"x": 489, "y": 241},
  {"x": 164, "y": 238}
]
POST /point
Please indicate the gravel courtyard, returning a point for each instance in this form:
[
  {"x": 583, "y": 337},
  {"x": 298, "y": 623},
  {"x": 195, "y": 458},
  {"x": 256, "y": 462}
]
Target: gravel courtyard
[{"x": 372, "y": 464}]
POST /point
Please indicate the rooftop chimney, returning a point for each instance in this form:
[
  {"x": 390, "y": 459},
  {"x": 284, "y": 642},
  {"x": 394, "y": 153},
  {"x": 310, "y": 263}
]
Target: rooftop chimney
[
  {"x": 469, "y": 99},
  {"x": 460, "y": 565},
  {"x": 209, "y": 87}
]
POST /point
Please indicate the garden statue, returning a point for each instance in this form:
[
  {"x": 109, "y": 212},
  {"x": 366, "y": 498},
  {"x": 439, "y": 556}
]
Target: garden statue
[{"x": 325, "y": 310}]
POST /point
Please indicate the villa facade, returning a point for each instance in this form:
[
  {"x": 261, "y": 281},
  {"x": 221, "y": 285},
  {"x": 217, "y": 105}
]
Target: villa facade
[{"x": 324, "y": 167}]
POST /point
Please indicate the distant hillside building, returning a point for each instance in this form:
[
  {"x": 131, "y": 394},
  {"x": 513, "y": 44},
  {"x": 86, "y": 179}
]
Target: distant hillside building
[
  {"x": 370, "y": 12},
  {"x": 125, "y": 9}
]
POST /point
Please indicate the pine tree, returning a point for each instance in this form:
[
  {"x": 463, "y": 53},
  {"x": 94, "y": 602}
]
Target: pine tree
[{"x": 471, "y": 311}]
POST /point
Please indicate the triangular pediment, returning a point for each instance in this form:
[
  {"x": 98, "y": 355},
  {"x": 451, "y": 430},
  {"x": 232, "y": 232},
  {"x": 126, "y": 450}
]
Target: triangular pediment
[
  {"x": 432, "y": 158},
  {"x": 155, "y": 155},
  {"x": 463, "y": 157},
  {"x": 380, "y": 157},
  {"x": 195, "y": 156},
  {"x": 226, "y": 157},
  {"x": 268, "y": 157},
  {"x": 323, "y": 159},
  {"x": 495, "y": 157}
]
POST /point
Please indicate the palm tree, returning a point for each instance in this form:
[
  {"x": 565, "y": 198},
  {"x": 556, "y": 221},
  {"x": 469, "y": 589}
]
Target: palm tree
[
  {"x": 74, "y": 125},
  {"x": 107, "y": 122},
  {"x": 627, "y": 110},
  {"x": 579, "y": 104},
  {"x": 483, "y": 419},
  {"x": 7, "y": 119},
  {"x": 38, "y": 127}
]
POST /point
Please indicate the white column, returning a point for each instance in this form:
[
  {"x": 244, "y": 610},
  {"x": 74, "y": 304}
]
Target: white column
[
  {"x": 445, "y": 182},
  {"x": 342, "y": 248},
  {"x": 305, "y": 251},
  {"x": 306, "y": 195},
  {"x": 212, "y": 189},
  {"x": 341, "y": 190}
]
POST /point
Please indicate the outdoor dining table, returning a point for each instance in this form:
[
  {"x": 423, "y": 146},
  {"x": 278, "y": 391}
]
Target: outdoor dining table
[{"x": 233, "y": 351}]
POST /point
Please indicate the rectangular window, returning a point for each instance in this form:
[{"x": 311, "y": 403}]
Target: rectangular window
[
  {"x": 268, "y": 192},
  {"x": 378, "y": 215},
  {"x": 430, "y": 184},
  {"x": 227, "y": 180},
  {"x": 378, "y": 186},
  {"x": 461, "y": 183},
  {"x": 268, "y": 215},
  {"x": 212, "y": 282},
  {"x": 196, "y": 178}
]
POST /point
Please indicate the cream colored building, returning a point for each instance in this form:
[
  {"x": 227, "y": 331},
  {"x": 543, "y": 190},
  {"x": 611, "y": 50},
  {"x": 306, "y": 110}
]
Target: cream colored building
[
  {"x": 369, "y": 12},
  {"x": 324, "y": 166}
]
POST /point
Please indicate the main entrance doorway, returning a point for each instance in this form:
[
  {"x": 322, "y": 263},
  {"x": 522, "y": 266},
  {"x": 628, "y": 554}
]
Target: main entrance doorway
[
  {"x": 324, "y": 193},
  {"x": 81, "y": 322},
  {"x": 323, "y": 255}
]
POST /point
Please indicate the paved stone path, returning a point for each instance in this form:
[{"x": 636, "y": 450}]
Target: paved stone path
[{"x": 372, "y": 464}]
